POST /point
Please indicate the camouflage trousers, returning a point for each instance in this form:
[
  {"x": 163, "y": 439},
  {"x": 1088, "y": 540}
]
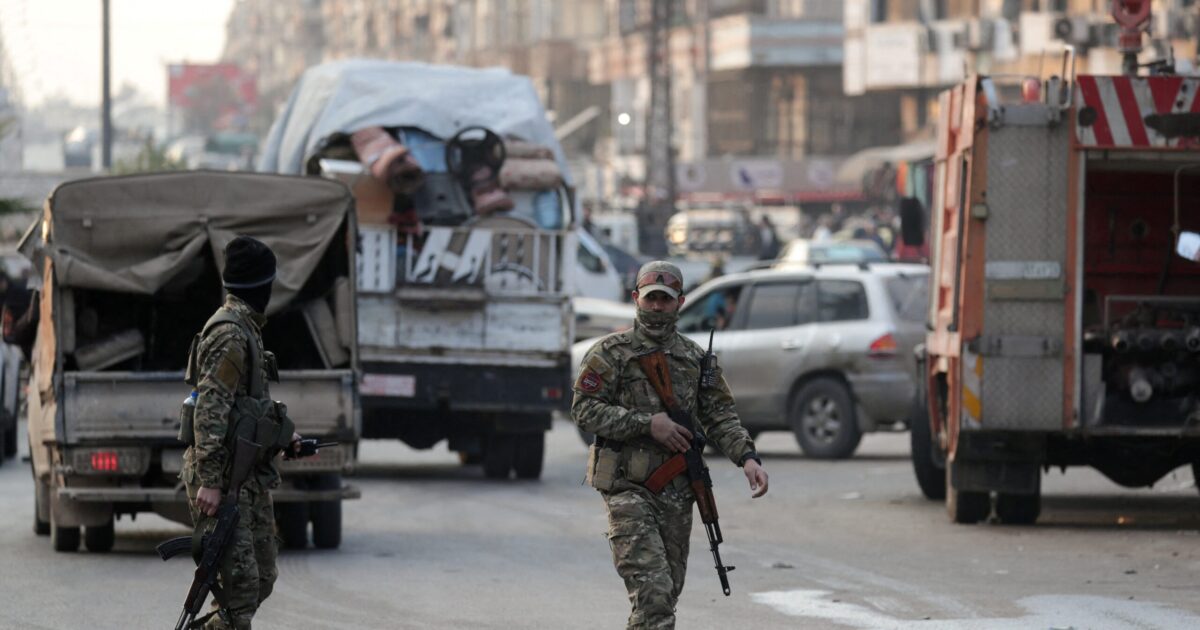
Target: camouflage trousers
[
  {"x": 649, "y": 535},
  {"x": 250, "y": 564}
]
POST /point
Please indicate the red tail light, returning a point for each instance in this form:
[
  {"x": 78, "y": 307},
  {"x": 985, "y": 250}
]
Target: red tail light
[
  {"x": 105, "y": 461},
  {"x": 883, "y": 348}
]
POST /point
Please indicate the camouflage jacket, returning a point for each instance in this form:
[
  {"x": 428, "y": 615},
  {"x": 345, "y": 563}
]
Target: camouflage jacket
[
  {"x": 223, "y": 365},
  {"x": 614, "y": 399}
]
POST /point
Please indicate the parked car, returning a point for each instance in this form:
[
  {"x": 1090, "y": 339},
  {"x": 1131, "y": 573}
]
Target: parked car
[
  {"x": 806, "y": 252},
  {"x": 595, "y": 317},
  {"x": 824, "y": 352}
]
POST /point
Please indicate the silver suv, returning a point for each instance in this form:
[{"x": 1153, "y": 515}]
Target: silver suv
[{"x": 825, "y": 352}]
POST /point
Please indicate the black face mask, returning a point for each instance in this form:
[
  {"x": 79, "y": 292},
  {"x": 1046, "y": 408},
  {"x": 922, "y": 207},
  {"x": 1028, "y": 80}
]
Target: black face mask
[{"x": 256, "y": 297}]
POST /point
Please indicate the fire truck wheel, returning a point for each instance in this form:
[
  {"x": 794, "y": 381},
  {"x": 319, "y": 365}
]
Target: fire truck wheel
[
  {"x": 498, "y": 456},
  {"x": 1018, "y": 509},
  {"x": 931, "y": 476},
  {"x": 823, "y": 420},
  {"x": 966, "y": 507},
  {"x": 100, "y": 538}
]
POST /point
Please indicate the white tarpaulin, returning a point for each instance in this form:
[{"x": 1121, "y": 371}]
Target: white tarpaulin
[{"x": 345, "y": 96}]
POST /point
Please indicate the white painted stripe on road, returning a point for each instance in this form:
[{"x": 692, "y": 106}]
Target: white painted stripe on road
[{"x": 1042, "y": 611}]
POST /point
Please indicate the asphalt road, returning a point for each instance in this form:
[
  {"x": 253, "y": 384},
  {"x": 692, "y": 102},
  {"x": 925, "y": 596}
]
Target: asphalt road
[{"x": 847, "y": 544}]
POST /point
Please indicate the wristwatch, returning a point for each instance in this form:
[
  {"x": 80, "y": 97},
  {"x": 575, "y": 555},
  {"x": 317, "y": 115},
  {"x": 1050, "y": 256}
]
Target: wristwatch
[{"x": 748, "y": 456}]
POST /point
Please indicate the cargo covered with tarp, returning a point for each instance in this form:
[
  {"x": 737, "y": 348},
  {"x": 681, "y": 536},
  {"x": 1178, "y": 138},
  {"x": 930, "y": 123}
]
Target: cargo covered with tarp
[{"x": 130, "y": 272}]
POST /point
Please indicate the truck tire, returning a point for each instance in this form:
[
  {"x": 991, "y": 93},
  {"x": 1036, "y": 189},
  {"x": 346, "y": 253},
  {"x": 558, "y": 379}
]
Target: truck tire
[
  {"x": 498, "y": 456},
  {"x": 1020, "y": 509},
  {"x": 929, "y": 469},
  {"x": 823, "y": 420},
  {"x": 63, "y": 538},
  {"x": 326, "y": 516},
  {"x": 530, "y": 452},
  {"x": 100, "y": 538},
  {"x": 41, "y": 490},
  {"x": 292, "y": 521},
  {"x": 966, "y": 507}
]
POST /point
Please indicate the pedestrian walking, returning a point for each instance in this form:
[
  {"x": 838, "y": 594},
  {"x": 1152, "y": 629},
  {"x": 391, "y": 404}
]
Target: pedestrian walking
[{"x": 648, "y": 532}]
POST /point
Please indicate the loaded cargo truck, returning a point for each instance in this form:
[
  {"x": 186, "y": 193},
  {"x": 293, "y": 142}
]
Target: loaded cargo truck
[{"x": 130, "y": 271}]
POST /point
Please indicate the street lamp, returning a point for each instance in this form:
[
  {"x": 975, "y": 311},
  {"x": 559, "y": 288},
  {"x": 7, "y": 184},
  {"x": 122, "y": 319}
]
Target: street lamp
[{"x": 623, "y": 119}]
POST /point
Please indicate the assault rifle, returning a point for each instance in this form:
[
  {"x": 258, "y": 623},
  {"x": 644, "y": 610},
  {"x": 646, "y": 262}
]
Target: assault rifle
[
  {"x": 690, "y": 462},
  {"x": 209, "y": 550}
]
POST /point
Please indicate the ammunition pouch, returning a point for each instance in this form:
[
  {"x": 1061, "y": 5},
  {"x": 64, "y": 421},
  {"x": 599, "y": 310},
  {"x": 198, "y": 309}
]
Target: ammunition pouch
[{"x": 602, "y": 468}]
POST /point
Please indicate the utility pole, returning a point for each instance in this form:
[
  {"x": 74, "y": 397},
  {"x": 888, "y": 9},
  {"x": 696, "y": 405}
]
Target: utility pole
[
  {"x": 106, "y": 130},
  {"x": 659, "y": 191}
]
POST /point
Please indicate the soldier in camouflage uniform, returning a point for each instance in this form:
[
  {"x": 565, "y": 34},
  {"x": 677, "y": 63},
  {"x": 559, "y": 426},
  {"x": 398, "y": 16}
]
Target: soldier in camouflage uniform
[
  {"x": 648, "y": 532},
  {"x": 222, "y": 365}
]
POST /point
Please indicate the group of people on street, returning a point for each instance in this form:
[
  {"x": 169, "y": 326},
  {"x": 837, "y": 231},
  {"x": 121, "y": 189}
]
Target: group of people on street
[{"x": 648, "y": 531}]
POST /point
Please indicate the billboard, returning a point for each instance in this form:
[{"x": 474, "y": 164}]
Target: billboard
[{"x": 213, "y": 95}]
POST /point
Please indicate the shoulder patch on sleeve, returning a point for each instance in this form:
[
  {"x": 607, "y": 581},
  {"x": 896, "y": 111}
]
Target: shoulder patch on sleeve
[{"x": 590, "y": 382}]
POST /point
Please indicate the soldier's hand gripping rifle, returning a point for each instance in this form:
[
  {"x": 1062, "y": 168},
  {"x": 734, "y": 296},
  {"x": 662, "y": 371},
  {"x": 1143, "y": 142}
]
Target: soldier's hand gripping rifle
[
  {"x": 209, "y": 550},
  {"x": 690, "y": 462}
]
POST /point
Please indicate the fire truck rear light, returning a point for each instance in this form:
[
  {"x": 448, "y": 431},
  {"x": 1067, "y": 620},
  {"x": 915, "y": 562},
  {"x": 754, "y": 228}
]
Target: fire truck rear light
[
  {"x": 106, "y": 461},
  {"x": 883, "y": 348}
]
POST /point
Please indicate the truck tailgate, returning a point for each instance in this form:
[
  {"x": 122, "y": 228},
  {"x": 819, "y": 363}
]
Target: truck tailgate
[{"x": 145, "y": 405}]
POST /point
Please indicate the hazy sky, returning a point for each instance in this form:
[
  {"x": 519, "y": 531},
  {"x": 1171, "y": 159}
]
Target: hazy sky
[{"x": 54, "y": 45}]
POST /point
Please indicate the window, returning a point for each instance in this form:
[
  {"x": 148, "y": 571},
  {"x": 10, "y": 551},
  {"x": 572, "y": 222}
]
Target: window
[
  {"x": 589, "y": 260},
  {"x": 780, "y": 305},
  {"x": 910, "y": 296},
  {"x": 714, "y": 310},
  {"x": 841, "y": 300}
]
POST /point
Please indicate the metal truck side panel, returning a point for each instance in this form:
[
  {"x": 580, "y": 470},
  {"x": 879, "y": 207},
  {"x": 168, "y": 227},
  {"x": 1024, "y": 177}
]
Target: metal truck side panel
[{"x": 1025, "y": 276}]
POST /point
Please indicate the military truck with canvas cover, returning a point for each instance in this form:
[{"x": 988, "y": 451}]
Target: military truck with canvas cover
[
  {"x": 468, "y": 241},
  {"x": 1064, "y": 330},
  {"x": 130, "y": 272}
]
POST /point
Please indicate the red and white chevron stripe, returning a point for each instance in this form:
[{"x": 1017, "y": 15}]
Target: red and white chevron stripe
[{"x": 1121, "y": 105}]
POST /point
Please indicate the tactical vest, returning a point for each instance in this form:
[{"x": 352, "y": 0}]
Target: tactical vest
[{"x": 253, "y": 416}]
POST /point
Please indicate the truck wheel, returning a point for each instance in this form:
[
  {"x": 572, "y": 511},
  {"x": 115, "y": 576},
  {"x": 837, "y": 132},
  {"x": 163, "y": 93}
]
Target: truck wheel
[
  {"x": 326, "y": 515},
  {"x": 1018, "y": 509},
  {"x": 966, "y": 507},
  {"x": 823, "y": 420},
  {"x": 531, "y": 449},
  {"x": 63, "y": 538},
  {"x": 498, "y": 456},
  {"x": 292, "y": 521},
  {"x": 100, "y": 538},
  {"x": 41, "y": 493},
  {"x": 930, "y": 471}
]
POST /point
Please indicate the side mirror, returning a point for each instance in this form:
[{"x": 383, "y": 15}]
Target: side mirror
[{"x": 1189, "y": 246}]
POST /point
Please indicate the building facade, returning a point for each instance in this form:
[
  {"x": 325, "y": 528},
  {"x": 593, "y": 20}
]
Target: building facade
[{"x": 913, "y": 49}]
